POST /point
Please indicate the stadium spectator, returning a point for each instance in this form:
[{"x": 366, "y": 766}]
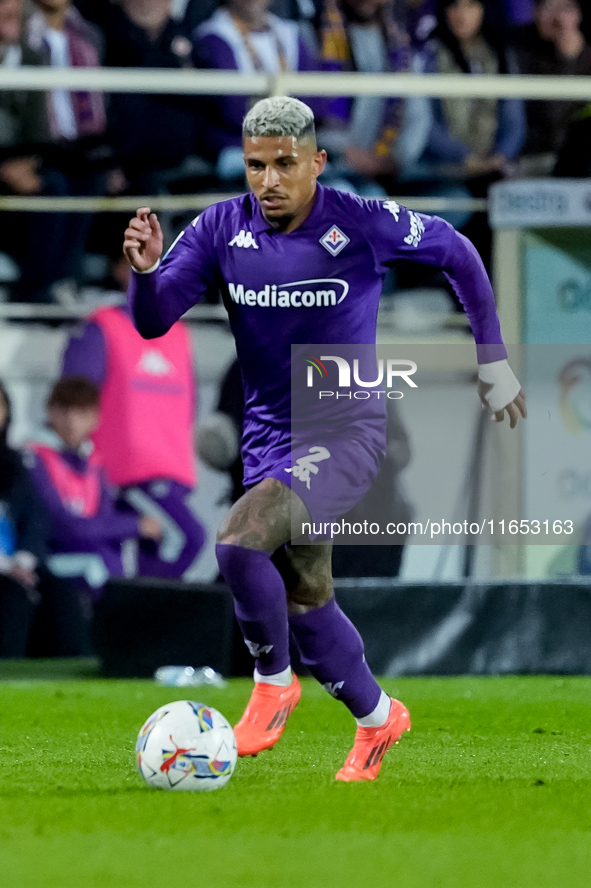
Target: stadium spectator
[
  {"x": 156, "y": 138},
  {"x": 554, "y": 44},
  {"x": 56, "y": 30},
  {"x": 41, "y": 243},
  {"x": 420, "y": 16},
  {"x": 478, "y": 135},
  {"x": 243, "y": 35},
  {"x": 24, "y": 123},
  {"x": 370, "y": 137},
  {"x": 420, "y": 20},
  {"x": 472, "y": 142},
  {"x": 145, "y": 434},
  {"x": 87, "y": 529},
  {"x": 39, "y": 614},
  {"x": 186, "y": 14}
]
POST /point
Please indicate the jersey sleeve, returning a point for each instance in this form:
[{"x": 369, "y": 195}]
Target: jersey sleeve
[
  {"x": 399, "y": 233},
  {"x": 187, "y": 275}
]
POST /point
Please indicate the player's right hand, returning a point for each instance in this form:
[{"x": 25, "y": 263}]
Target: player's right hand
[{"x": 143, "y": 240}]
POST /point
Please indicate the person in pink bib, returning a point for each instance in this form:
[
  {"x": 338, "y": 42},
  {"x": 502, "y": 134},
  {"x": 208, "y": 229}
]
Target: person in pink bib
[
  {"x": 144, "y": 437},
  {"x": 86, "y": 527}
]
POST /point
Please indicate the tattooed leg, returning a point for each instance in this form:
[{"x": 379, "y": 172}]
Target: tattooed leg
[
  {"x": 262, "y": 518},
  {"x": 307, "y": 574},
  {"x": 258, "y": 524}
]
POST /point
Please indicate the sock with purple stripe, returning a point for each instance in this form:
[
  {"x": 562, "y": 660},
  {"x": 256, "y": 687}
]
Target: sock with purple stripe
[
  {"x": 331, "y": 647},
  {"x": 260, "y": 604}
]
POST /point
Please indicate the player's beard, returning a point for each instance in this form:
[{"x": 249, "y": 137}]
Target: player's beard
[{"x": 280, "y": 223}]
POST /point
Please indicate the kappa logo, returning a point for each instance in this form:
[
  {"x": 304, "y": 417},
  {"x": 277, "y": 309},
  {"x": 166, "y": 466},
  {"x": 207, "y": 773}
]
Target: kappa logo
[
  {"x": 334, "y": 240},
  {"x": 154, "y": 363},
  {"x": 306, "y": 466},
  {"x": 333, "y": 689},
  {"x": 243, "y": 239},
  {"x": 393, "y": 208},
  {"x": 257, "y": 649}
]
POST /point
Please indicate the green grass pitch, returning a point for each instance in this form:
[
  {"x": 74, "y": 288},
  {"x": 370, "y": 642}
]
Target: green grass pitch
[{"x": 491, "y": 789}]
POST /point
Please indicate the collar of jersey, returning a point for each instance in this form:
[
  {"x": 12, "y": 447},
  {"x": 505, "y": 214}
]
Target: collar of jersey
[{"x": 260, "y": 224}]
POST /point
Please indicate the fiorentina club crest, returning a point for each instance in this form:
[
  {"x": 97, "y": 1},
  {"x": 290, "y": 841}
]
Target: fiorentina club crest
[{"x": 334, "y": 240}]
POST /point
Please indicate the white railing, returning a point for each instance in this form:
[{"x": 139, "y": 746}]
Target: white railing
[
  {"x": 38, "y": 312},
  {"x": 197, "y": 202},
  {"x": 201, "y": 82}
]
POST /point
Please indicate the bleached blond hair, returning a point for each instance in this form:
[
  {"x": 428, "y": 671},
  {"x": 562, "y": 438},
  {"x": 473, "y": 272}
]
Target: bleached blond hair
[{"x": 280, "y": 116}]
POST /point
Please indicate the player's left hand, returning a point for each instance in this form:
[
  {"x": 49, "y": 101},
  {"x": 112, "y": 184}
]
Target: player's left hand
[
  {"x": 499, "y": 390},
  {"x": 516, "y": 407}
]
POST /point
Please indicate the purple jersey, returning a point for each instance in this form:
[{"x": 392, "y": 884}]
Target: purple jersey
[{"x": 318, "y": 284}]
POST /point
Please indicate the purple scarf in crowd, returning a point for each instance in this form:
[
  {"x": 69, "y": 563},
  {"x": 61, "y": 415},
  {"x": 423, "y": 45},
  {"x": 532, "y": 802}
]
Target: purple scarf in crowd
[{"x": 336, "y": 55}]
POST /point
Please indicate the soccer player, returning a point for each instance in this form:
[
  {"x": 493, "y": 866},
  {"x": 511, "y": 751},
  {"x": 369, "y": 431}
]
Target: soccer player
[{"x": 255, "y": 249}]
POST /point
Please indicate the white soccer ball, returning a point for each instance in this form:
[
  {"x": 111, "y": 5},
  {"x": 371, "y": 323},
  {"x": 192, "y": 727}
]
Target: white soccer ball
[{"x": 186, "y": 746}]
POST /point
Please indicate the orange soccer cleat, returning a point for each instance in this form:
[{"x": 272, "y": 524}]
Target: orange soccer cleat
[
  {"x": 265, "y": 717},
  {"x": 371, "y": 745}
]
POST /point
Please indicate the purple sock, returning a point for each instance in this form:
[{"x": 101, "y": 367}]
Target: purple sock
[
  {"x": 332, "y": 648},
  {"x": 260, "y": 604}
]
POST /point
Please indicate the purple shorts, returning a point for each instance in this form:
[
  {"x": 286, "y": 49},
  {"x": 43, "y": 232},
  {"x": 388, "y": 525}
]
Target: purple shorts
[{"x": 329, "y": 475}]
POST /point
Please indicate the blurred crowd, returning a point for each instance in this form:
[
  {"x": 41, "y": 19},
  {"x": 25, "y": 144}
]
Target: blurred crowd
[{"x": 86, "y": 143}]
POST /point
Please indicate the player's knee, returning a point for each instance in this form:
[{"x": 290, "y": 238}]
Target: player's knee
[
  {"x": 260, "y": 519},
  {"x": 222, "y": 535},
  {"x": 228, "y": 533},
  {"x": 228, "y": 536}
]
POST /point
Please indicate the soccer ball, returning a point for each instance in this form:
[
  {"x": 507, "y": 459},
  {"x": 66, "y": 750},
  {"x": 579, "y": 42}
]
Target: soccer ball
[{"x": 186, "y": 746}]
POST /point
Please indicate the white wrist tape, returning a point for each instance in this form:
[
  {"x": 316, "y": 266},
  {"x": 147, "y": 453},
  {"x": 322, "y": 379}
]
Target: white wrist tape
[
  {"x": 148, "y": 270},
  {"x": 505, "y": 385}
]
